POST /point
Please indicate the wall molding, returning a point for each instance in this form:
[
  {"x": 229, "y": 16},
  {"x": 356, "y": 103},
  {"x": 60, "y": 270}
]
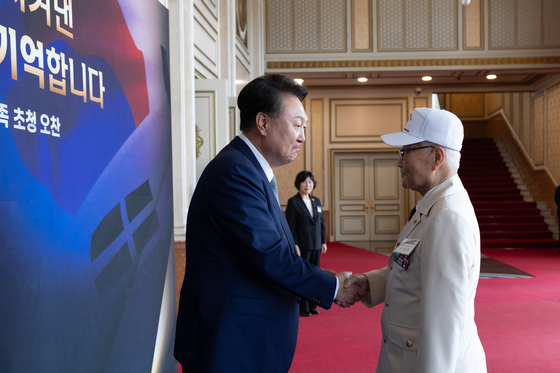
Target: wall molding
[
  {"x": 504, "y": 61},
  {"x": 400, "y": 104}
]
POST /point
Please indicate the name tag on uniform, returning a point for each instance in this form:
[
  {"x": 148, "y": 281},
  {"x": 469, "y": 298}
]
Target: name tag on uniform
[
  {"x": 407, "y": 246},
  {"x": 319, "y": 209},
  {"x": 401, "y": 255}
]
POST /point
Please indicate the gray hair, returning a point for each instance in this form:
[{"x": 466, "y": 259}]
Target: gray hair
[{"x": 453, "y": 157}]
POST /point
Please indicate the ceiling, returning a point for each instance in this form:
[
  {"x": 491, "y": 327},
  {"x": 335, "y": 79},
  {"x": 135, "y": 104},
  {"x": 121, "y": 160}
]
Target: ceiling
[{"x": 442, "y": 80}]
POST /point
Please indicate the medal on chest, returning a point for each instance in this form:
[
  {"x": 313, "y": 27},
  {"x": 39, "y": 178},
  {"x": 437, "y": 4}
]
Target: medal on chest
[{"x": 403, "y": 252}]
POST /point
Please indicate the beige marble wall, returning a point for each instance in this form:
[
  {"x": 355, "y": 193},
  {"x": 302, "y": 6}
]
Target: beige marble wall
[
  {"x": 553, "y": 131},
  {"x": 306, "y": 26},
  {"x": 506, "y": 101},
  {"x": 527, "y": 125},
  {"x": 523, "y": 24},
  {"x": 534, "y": 119},
  {"x": 515, "y": 114},
  {"x": 381, "y": 27},
  {"x": 421, "y": 102},
  {"x": 361, "y": 25},
  {"x": 359, "y": 120},
  {"x": 467, "y": 105},
  {"x": 317, "y": 151},
  {"x": 286, "y": 175},
  {"x": 538, "y": 130},
  {"x": 472, "y": 27},
  {"x": 493, "y": 102}
]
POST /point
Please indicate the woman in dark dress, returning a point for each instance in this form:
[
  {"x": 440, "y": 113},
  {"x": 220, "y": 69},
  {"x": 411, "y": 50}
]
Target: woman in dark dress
[{"x": 305, "y": 218}]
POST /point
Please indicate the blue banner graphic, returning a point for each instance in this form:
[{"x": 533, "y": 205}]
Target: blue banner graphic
[{"x": 86, "y": 220}]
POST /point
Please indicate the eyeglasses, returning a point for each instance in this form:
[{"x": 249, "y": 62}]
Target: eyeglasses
[{"x": 401, "y": 151}]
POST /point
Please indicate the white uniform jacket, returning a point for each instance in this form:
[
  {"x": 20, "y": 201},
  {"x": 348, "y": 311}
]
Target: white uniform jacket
[{"x": 428, "y": 313}]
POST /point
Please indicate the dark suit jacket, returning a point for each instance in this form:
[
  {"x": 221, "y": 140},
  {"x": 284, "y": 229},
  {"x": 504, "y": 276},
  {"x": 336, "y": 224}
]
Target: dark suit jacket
[
  {"x": 238, "y": 309},
  {"x": 308, "y": 231}
]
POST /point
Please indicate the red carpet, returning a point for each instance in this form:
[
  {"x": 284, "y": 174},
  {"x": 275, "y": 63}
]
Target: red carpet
[
  {"x": 498, "y": 203},
  {"x": 518, "y": 318},
  {"x": 339, "y": 339}
]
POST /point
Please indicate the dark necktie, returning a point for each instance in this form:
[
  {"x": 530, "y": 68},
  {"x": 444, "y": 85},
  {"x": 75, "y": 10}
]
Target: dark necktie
[
  {"x": 412, "y": 213},
  {"x": 274, "y": 187}
]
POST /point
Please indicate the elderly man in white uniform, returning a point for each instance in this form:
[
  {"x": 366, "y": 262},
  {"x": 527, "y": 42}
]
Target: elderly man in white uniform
[{"x": 429, "y": 286}]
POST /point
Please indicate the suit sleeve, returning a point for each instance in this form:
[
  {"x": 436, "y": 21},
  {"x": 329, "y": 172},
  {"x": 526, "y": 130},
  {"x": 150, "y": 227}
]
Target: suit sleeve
[
  {"x": 291, "y": 218},
  {"x": 447, "y": 260},
  {"x": 377, "y": 286},
  {"x": 243, "y": 213}
]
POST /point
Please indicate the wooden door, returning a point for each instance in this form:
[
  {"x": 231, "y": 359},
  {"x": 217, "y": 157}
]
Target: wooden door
[{"x": 369, "y": 198}]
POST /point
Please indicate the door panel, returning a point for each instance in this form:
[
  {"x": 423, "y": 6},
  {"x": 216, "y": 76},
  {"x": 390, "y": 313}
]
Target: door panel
[
  {"x": 352, "y": 180},
  {"x": 386, "y": 179},
  {"x": 352, "y": 223},
  {"x": 387, "y": 194},
  {"x": 386, "y": 224},
  {"x": 369, "y": 199}
]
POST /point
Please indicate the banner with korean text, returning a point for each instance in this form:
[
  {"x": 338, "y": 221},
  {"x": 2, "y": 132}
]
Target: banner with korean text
[{"x": 86, "y": 220}]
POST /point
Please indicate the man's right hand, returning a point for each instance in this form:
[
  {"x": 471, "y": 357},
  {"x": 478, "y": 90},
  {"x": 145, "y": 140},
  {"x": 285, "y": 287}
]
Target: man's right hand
[
  {"x": 360, "y": 280},
  {"x": 347, "y": 295},
  {"x": 357, "y": 283}
]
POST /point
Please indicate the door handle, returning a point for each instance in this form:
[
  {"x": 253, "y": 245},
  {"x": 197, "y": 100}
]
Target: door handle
[
  {"x": 367, "y": 208},
  {"x": 372, "y": 206}
]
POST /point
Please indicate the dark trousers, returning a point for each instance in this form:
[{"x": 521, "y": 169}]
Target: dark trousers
[{"x": 313, "y": 257}]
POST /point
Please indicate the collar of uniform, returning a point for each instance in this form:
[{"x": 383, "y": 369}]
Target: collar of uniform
[
  {"x": 262, "y": 161},
  {"x": 446, "y": 187}
]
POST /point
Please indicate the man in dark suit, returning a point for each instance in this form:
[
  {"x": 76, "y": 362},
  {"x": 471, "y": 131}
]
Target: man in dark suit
[
  {"x": 238, "y": 309},
  {"x": 307, "y": 224}
]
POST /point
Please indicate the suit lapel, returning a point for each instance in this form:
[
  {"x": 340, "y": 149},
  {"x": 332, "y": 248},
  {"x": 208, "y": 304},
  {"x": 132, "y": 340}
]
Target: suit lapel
[
  {"x": 285, "y": 226},
  {"x": 303, "y": 206},
  {"x": 314, "y": 209}
]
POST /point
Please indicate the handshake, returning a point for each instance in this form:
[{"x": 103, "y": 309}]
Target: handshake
[{"x": 351, "y": 289}]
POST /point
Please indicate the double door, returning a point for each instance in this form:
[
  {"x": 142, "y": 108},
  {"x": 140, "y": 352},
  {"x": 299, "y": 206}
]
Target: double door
[{"x": 369, "y": 198}]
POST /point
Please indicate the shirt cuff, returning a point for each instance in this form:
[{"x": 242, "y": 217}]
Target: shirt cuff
[{"x": 336, "y": 289}]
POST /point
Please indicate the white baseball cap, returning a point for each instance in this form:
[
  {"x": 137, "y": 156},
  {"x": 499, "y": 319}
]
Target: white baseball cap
[{"x": 424, "y": 124}]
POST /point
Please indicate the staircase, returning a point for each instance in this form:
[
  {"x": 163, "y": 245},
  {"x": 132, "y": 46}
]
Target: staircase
[{"x": 508, "y": 217}]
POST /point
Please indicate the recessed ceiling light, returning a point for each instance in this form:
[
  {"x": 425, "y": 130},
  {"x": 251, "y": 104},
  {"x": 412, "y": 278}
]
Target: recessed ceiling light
[
  {"x": 426, "y": 78},
  {"x": 362, "y": 79},
  {"x": 239, "y": 81},
  {"x": 298, "y": 81},
  {"x": 491, "y": 76}
]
